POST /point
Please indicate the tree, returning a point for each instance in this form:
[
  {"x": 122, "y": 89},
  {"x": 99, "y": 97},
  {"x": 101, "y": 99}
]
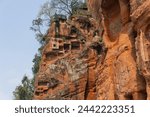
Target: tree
[
  {"x": 67, "y": 7},
  {"x": 25, "y": 90},
  {"x": 41, "y": 24},
  {"x": 36, "y": 64}
]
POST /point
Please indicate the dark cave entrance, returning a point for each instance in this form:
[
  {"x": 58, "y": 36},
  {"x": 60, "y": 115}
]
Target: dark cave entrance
[
  {"x": 66, "y": 47},
  {"x": 75, "y": 45}
]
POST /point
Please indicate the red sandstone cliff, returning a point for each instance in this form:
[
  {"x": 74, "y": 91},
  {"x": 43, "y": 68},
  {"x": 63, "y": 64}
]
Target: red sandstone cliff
[{"x": 103, "y": 56}]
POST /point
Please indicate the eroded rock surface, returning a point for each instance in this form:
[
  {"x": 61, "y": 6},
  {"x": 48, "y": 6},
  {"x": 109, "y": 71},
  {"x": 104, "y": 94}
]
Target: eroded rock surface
[
  {"x": 69, "y": 59},
  {"x": 105, "y": 56},
  {"x": 125, "y": 72}
]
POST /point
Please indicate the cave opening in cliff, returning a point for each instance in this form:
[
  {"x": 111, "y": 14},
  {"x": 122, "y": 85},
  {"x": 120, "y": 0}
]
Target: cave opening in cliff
[
  {"x": 66, "y": 47},
  {"x": 55, "y": 46},
  {"x": 51, "y": 55},
  {"x": 42, "y": 83},
  {"x": 98, "y": 47},
  {"x": 73, "y": 30},
  {"x": 37, "y": 93},
  {"x": 60, "y": 41},
  {"x": 75, "y": 45}
]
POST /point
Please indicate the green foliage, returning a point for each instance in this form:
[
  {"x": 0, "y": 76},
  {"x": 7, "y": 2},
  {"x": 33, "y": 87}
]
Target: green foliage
[
  {"x": 25, "y": 90},
  {"x": 41, "y": 24},
  {"x": 36, "y": 64},
  {"x": 37, "y": 27},
  {"x": 66, "y": 7}
]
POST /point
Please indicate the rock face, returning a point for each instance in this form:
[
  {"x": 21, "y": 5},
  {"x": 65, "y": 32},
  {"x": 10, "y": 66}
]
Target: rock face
[
  {"x": 105, "y": 56},
  {"x": 69, "y": 59},
  {"x": 125, "y": 72}
]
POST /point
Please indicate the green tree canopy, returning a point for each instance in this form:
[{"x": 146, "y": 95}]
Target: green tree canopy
[
  {"x": 41, "y": 24},
  {"x": 25, "y": 90}
]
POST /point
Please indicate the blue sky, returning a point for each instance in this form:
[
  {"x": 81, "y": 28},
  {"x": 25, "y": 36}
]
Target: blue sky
[{"x": 17, "y": 43}]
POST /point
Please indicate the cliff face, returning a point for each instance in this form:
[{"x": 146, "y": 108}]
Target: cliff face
[
  {"x": 125, "y": 72},
  {"x": 69, "y": 59},
  {"x": 103, "y": 56}
]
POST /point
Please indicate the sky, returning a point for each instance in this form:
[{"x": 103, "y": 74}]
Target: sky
[{"x": 17, "y": 43}]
